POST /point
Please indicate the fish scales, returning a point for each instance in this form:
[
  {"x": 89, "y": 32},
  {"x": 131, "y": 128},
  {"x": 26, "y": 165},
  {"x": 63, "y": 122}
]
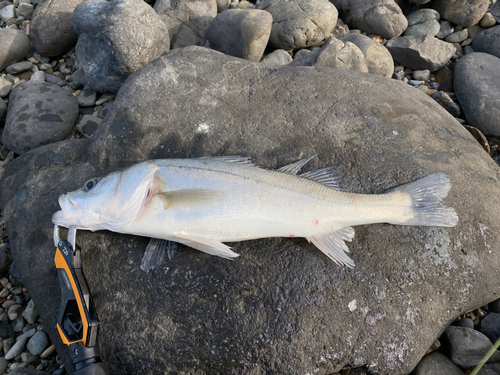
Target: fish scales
[{"x": 206, "y": 201}]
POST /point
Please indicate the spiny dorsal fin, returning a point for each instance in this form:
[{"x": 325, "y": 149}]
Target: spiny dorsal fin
[
  {"x": 333, "y": 245},
  {"x": 239, "y": 159},
  {"x": 295, "y": 167},
  {"x": 327, "y": 176},
  {"x": 191, "y": 198}
]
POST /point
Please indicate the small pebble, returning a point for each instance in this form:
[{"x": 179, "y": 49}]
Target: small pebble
[
  {"x": 41, "y": 58},
  {"x": 7, "y": 344},
  {"x": 38, "y": 343},
  {"x": 18, "y": 299},
  {"x": 106, "y": 97},
  {"x": 26, "y": 335},
  {"x": 88, "y": 125},
  {"x": 19, "y": 67},
  {"x": 18, "y": 324},
  {"x": 16, "y": 349},
  {"x": 30, "y": 313},
  {"x": 421, "y": 75},
  {"x": 3, "y": 365},
  {"x": 48, "y": 352},
  {"x": 87, "y": 97},
  {"x": 468, "y": 49},
  {"x": 457, "y": 36},
  {"x": 4, "y": 293},
  {"x": 4, "y": 318},
  {"x": 7, "y": 304},
  {"x": 15, "y": 311},
  {"x": 414, "y": 82},
  {"x": 30, "y": 358},
  {"x": 5, "y": 87},
  {"x": 433, "y": 85}
]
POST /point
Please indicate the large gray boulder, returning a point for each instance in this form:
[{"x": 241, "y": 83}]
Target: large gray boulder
[
  {"x": 115, "y": 39},
  {"x": 381, "y": 17},
  {"x": 39, "y": 113},
  {"x": 14, "y": 46},
  {"x": 187, "y": 20},
  {"x": 51, "y": 29},
  {"x": 282, "y": 306},
  {"x": 461, "y": 12},
  {"x": 477, "y": 85},
  {"x": 420, "y": 52},
  {"x": 300, "y": 23}
]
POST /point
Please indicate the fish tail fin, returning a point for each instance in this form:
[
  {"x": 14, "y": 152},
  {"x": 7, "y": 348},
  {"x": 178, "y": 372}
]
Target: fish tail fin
[{"x": 426, "y": 195}]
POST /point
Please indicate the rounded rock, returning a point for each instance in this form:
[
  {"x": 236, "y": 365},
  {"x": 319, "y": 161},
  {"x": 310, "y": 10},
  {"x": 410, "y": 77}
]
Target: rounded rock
[
  {"x": 16, "y": 349},
  {"x": 436, "y": 364},
  {"x": 277, "y": 58},
  {"x": 19, "y": 67},
  {"x": 39, "y": 113},
  {"x": 461, "y": 12},
  {"x": 18, "y": 324},
  {"x": 38, "y": 343},
  {"x": 488, "y": 41},
  {"x": 300, "y": 23},
  {"x": 14, "y": 45},
  {"x": 423, "y": 22},
  {"x": 3, "y": 365},
  {"x": 477, "y": 86},
  {"x": 378, "y": 58},
  {"x": 15, "y": 312},
  {"x": 38, "y": 77},
  {"x": 468, "y": 346},
  {"x": 445, "y": 29},
  {"x": 30, "y": 313},
  {"x": 457, "y": 36},
  {"x": 241, "y": 33},
  {"x": 487, "y": 21}
]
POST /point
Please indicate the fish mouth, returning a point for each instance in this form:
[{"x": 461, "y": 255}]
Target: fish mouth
[{"x": 66, "y": 216}]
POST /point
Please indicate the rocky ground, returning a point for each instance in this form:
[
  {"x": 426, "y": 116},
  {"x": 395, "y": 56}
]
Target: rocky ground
[{"x": 60, "y": 75}]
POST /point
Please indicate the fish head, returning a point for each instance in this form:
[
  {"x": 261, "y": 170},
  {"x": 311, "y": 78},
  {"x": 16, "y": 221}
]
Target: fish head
[{"x": 111, "y": 202}]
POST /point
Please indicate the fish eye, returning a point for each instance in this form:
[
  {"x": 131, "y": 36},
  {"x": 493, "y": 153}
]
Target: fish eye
[{"x": 90, "y": 184}]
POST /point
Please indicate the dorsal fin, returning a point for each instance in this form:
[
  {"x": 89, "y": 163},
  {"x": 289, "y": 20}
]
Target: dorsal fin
[
  {"x": 328, "y": 176},
  {"x": 239, "y": 159},
  {"x": 295, "y": 167}
]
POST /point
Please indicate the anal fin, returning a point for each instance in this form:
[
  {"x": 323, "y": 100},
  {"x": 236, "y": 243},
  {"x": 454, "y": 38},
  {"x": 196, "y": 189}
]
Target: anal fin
[
  {"x": 206, "y": 245},
  {"x": 333, "y": 245},
  {"x": 155, "y": 252}
]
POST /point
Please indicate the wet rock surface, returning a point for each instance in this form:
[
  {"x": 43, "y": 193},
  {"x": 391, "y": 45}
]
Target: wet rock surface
[{"x": 257, "y": 302}]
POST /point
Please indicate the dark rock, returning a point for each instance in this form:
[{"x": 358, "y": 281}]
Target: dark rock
[
  {"x": 423, "y": 22},
  {"x": 465, "y": 322},
  {"x": 14, "y": 46},
  {"x": 5, "y": 258},
  {"x": 378, "y": 59},
  {"x": 436, "y": 364},
  {"x": 477, "y": 85},
  {"x": 51, "y": 29},
  {"x": 112, "y": 37},
  {"x": 447, "y": 103},
  {"x": 380, "y": 17},
  {"x": 490, "y": 326},
  {"x": 50, "y": 78},
  {"x": 461, "y": 12},
  {"x": 6, "y": 331},
  {"x": 420, "y": 52},
  {"x": 445, "y": 29},
  {"x": 37, "y": 344},
  {"x": 444, "y": 77},
  {"x": 490, "y": 369},
  {"x": 494, "y": 306},
  {"x": 468, "y": 346},
  {"x": 39, "y": 113},
  {"x": 87, "y": 97},
  {"x": 241, "y": 33},
  {"x": 282, "y": 298},
  {"x": 300, "y": 23},
  {"x": 488, "y": 41},
  {"x": 88, "y": 125},
  {"x": 187, "y": 20},
  {"x": 19, "y": 67}
]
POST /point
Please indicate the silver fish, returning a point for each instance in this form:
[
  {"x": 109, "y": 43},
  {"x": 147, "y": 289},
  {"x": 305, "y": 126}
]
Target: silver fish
[{"x": 204, "y": 202}]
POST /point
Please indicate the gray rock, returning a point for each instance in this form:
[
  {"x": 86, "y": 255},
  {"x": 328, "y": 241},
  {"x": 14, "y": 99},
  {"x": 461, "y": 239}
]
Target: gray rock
[
  {"x": 38, "y": 77},
  {"x": 14, "y": 312},
  {"x": 378, "y": 59},
  {"x": 445, "y": 29},
  {"x": 381, "y": 17},
  {"x": 468, "y": 49},
  {"x": 468, "y": 346},
  {"x": 278, "y": 57},
  {"x": 50, "y": 78},
  {"x": 39, "y": 113},
  {"x": 461, "y": 12},
  {"x": 5, "y": 87},
  {"x": 334, "y": 54},
  {"x": 104, "y": 98},
  {"x": 187, "y": 20},
  {"x": 7, "y": 13},
  {"x": 111, "y": 40},
  {"x": 465, "y": 322},
  {"x": 87, "y": 97},
  {"x": 241, "y": 33},
  {"x": 8, "y": 343},
  {"x": 490, "y": 326},
  {"x": 30, "y": 358},
  {"x": 300, "y": 23},
  {"x": 447, "y": 103},
  {"x": 421, "y": 75},
  {"x": 223, "y": 5},
  {"x": 490, "y": 369},
  {"x": 423, "y": 22},
  {"x": 26, "y": 335},
  {"x": 51, "y": 29},
  {"x": 420, "y": 52},
  {"x": 3, "y": 365},
  {"x": 19, "y": 67},
  {"x": 48, "y": 352},
  {"x": 16, "y": 349},
  {"x": 487, "y": 21},
  {"x": 88, "y": 125},
  {"x": 30, "y": 313},
  {"x": 436, "y": 364},
  {"x": 38, "y": 343},
  {"x": 14, "y": 45},
  {"x": 25, "y": 10},
  {"x": 457, "y": 36},
  {"x": 18, "y": 324},
  {"x": 477, "y": 85},
  {"x": 487, "y": 41},
  {"x": 271, "y": 299}
]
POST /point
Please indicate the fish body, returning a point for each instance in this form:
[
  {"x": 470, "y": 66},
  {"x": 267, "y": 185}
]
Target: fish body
[{"x": 207, "y": 201}]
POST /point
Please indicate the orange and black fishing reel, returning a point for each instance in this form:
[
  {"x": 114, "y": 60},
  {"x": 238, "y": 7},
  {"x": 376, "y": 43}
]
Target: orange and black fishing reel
[{"x": 77, "y": 322}]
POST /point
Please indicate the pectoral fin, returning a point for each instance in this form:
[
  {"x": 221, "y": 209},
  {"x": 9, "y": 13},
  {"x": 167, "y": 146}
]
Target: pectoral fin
[
  {"x": 206, "y": 245},
  {"x": 191, "y": 198},
  {"x": 156, "y": 252},
  {"x": 333, "y": 245}
]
